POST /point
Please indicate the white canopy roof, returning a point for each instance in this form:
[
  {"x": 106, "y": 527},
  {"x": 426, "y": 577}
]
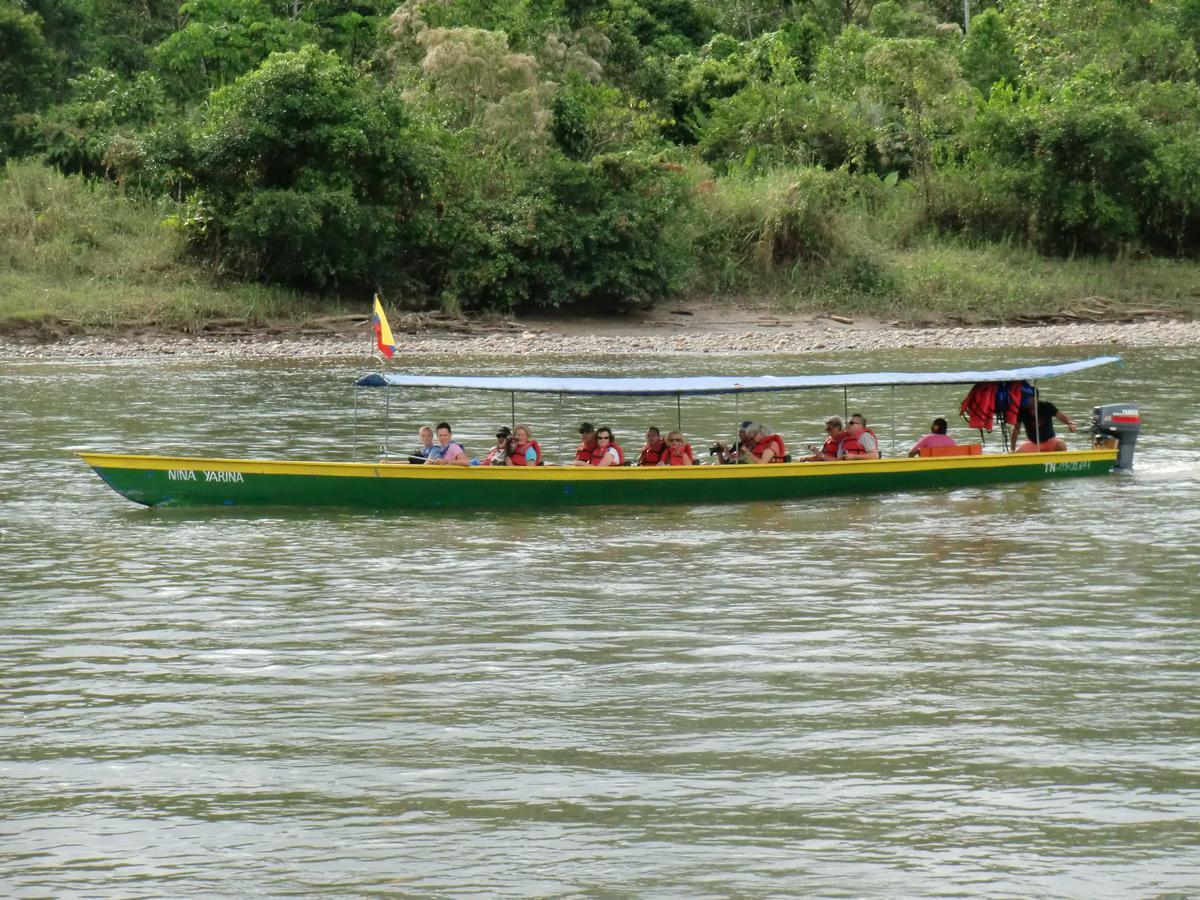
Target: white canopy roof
[{"x": 718, "y": 384}]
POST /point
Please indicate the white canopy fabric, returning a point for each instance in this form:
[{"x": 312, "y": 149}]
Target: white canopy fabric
[{"x": 716, "y": 384}]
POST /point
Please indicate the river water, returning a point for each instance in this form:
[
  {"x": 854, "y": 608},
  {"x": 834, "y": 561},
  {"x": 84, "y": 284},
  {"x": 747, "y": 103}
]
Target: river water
[{"x": 989, "y": 691}]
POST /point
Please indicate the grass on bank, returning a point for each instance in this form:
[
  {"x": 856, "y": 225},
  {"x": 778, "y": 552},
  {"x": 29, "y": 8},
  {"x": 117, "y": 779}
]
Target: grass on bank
[
  {"x": 80, "y": 254},
  {"x": 83, "y": 254}
]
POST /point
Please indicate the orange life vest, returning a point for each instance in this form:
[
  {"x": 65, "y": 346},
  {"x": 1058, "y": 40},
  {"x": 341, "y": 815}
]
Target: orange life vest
[
  {"x": 519, "y": 451},
  {"x": 679, "y": 456},
  {"x": 652, "y": 453},
  {"x": 598, "y": 454},
  {"x": 765, "y": 442}
]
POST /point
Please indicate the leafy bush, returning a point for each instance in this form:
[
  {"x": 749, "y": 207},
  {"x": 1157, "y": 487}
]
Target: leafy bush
[
  {"x": 305, "y": 173},
  {"x": 608, "y": 231}
]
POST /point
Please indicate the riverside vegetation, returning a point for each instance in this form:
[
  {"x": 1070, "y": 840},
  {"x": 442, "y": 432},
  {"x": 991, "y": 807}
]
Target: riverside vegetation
[{"x": 262, "y": 159}]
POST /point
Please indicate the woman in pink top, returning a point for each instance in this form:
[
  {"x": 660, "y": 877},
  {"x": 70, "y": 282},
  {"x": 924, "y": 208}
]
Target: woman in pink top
[{"x": 937, "y": 437}]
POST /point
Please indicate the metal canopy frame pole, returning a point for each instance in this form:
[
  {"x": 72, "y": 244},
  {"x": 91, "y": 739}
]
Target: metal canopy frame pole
[
  {"x": 387, "y": 419},
  {"x": 679, "y": 412},
  {"x": 560, "y": 431},
  {"x": 513, "y": 397},
  {"x": 845, "y": 405},
  {"x": 893, "y": 420},
  {"x": 354, "y": 449}
]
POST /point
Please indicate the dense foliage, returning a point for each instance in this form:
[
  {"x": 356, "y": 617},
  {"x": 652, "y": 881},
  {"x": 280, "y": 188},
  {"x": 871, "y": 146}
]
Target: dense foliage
[{"x": 575, "y": 152}]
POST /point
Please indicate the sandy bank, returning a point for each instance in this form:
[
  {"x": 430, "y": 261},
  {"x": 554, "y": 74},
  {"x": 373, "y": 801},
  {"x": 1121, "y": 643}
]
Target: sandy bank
[{"x": 748, "y": 333}]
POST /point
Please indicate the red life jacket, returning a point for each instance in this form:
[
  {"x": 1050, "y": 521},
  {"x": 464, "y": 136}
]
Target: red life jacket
[
  {"x": 849, "y": 445},
  {"x": 765, "y": 442},
  {"x": 679, "y": 456},
  {"x": 652, "y": 453},
  {"x": 832, "y": 445},
  {"x": 519, "y": 451},
  {"x": 979, "y": 405},
  {"x": 598, "y": 454},
  {"x": 585, "y": 453}
]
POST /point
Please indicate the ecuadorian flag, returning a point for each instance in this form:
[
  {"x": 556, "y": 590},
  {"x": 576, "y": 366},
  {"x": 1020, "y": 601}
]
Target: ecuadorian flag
[{"x": 383, "y": 332}]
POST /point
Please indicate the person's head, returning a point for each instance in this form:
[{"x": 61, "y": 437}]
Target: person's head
[
  {"x": 939, "y": 426},
  {"x": 857, "y": 423},
  {"x": 744, "y": 428},
  {"x": 524, "y": 434},
  {"x": 502, "y": 435},
  {"x": 834, "y": 425},
  {"x": 751, "y": 429},
  {"x": 604, "y": 436},
  {"x": 587, "y": 433},
  {"x": 653, "y": 435},
  {"x": 675, "y": 438},
  {"x": 443, "y": 433},
  {"x": 426, "y": 435}
]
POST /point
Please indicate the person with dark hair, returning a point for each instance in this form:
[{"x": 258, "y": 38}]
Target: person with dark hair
[
  {"x": 608, "y": 452},
  {"x": 654, "y": 448},
  {"x": 453, "y": 453},
  {"x": 587, "y": 445},
  {"x": 498, "y": 455},
  {"x": 736, "y": 452},
  {"x": 1037, "y": 417},
  {"x": 937, "y": 437}
]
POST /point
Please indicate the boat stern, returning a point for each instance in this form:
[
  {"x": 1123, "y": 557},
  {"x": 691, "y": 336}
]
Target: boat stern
[{"x": 1117, "y": 425}]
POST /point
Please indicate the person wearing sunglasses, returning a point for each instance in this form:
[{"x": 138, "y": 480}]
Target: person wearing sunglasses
[
  {"x": 608, "y": 451},
  {"x": 653, "y": 449},
  {"x": 835, "y": 436},
  {"x": 678, "y": 452},
  {"x": 862, "y": 442}
]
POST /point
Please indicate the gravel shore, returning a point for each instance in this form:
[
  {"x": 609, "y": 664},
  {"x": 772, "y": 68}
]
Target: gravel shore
[{"x": 784, "y": 338}]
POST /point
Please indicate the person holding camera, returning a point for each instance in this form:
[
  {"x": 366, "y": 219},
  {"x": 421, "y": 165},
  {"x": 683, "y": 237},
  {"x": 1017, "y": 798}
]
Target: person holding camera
[
  {"x": 738, "y": 451},
  {"x": 498, "y": 455}
]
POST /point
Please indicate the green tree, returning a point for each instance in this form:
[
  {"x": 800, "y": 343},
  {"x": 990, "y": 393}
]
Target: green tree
[
  {"x": 224, "y": 39},
  {"x": 988, "y": 53},
  {"x": 926, "y": 82},
  {"x": 305, "y": 173},
  {"x": 25, "y": 71}
]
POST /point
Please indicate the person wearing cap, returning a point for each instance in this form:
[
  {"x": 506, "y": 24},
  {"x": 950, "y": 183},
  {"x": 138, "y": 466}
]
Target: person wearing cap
[
  {"x": 836, "y": 435},
  {"x": 587, "y": 445},
  {"x": 739, "y": 450},
  {"x": 498, "y": 455}
]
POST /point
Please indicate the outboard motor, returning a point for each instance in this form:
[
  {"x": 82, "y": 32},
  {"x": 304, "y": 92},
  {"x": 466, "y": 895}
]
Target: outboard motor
[{"x": 1119, "y": 424}]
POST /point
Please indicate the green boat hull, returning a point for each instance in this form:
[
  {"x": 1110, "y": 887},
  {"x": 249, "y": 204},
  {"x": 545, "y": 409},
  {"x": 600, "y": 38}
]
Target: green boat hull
[{"x": 199, "y": 481}]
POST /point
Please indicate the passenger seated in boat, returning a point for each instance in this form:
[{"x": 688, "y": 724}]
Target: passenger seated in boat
[
  {"x": 587, "y": 445},
  {"x": 831, "y": 449},
  {"x": 525, "y": 450},
  {"x": 937, "y": 437},
  {"x": 608, "y": 452},
  {"x": 678, "y": 452},
  {"x": 862, "y": 442},
  {"x": 422, "y": 454},
  {"x": 1039, "y": 428},
  {"x": 653, "y": 449},
  {"x": 766, "y": 447},
  {"x": 498, "y": 455},
  {"x": 452, "y": 452},
  {"x": 738, "y": 451}
]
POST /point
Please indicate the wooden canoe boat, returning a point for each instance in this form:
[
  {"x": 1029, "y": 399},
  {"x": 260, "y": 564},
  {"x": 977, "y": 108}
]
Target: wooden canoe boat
[
  {"x": 201, "y": 481},
  {"x": 211, "y": 481}
]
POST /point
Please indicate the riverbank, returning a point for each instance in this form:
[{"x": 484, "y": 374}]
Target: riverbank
[{"x": 697, "y": 330}]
